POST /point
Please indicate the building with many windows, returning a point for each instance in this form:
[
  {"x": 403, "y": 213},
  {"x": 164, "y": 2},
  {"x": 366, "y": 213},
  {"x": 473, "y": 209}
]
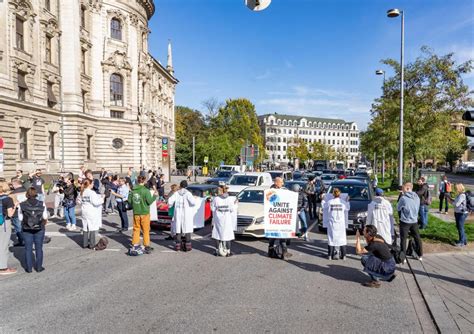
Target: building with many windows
[
  {"x": 79, "y": 87},
  {"x": 280, "y": 131}
]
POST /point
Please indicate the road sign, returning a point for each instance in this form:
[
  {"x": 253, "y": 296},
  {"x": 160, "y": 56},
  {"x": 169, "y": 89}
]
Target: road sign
[
  {"x": 164, "y": 147},
  {"x": 164, "y": 153},
  {"x": 164, "y": 141},
  {"x": 206, "y": 160},
  {"x": 2, "y": 143}
]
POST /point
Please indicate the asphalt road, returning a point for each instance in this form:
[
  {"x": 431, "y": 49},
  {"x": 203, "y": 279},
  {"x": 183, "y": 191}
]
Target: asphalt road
[
  {"x": 468, "y": 181},
  {"x": 167, "y": 292}
]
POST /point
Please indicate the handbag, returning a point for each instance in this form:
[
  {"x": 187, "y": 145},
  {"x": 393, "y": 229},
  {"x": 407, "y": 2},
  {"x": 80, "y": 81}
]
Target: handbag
[{"x": 127, "y": 206}]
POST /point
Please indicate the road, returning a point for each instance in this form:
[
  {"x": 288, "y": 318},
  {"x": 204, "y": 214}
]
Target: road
[
  {"x": 167, "y": 292},
  {"x": 468, "y": 181}
]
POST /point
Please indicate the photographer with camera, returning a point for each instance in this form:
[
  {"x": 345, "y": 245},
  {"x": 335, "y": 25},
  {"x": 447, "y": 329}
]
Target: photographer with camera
[{"x": 58, "y": 191}]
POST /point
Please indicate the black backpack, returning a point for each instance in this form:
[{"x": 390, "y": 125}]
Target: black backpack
[
  {"x": 32, "y": 211},
  {"x": 396, "y": 251},
  {"x": 469, "y": 201}
]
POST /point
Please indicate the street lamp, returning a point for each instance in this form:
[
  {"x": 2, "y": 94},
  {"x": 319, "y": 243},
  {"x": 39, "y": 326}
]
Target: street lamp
[
  {"x": 382, "y": 72},
  {"x": 395, "y": 13}
]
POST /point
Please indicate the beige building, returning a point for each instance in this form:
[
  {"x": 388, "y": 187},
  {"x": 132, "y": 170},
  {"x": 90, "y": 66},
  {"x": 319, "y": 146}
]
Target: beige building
[{"x": 79, "y": 87}]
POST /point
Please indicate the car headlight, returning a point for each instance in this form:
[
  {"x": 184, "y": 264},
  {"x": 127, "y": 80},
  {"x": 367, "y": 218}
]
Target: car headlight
[
  {"x": 259, "y": 221},
  {"x": 362, "y": 215}
]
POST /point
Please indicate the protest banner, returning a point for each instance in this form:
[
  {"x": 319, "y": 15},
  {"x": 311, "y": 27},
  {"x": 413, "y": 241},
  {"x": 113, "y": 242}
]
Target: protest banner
[{"x": 280, "y": 213}]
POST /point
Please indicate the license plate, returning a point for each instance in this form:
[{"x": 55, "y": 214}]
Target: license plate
[
  {"x": 164, "y": 221},
  {"x": 240, "y": 230}
]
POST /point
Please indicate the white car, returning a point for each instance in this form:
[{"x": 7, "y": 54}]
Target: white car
[
  {"x": 240, "y": 181},
  {"x": 250, "y": 212}
]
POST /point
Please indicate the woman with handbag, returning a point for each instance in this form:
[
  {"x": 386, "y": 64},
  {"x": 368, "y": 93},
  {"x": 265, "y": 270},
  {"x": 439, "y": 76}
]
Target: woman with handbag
[{"x": 91, "y": 208}]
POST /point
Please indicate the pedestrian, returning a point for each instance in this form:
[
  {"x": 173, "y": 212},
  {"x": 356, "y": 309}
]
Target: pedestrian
[
  {"x": 222, "y": 207},
  {"x": 19, "y": 195},
  {"x": 7, "y": 209},
  {"x": 91, "y": 211},
  {"x": 152, "y": 182},
  {"x": 103, "y": 174},
  {"x": 58, "y": 191},
  {"x": 23, "y": 178},
  {"x": 161, "y": 186},
  {"x": 423, "y": 193},
  {"x": 302, "y": 211},
  {"x": 33, "y": 216},
  {"x": 69, "y": 204},
  {"x": 310, "y": 191},
  {"x": 460, "y": 213},
  {"x": 282, "y": 243},
  {"x": 376, "y": 258},
  {"x": 444, "y": 193},
  {"x": 128, "y": 178},
  {"x": 140, "y": 198},
  {"x": 82, "y": 174},
  {"x": 174, "y": 188},
  {"x": 336, "y": 224},
  {"x": 188, "y": 175},
  {"x": 380, "y": 215},
  {"x": 38, "y": 183},
  {"x": 183, "y": 218},
  {"x": 96, "y": 183},
  {"x": 408, "y": 207},
  {"x": 122, "y": 200}
]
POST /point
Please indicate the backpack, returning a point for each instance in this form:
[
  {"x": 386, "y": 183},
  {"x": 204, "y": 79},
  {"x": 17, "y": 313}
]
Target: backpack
[
  {"x": 469, "y": 201},
  {"x": 102, "y": 244},
  {"x": 2, "y": 217},
  {"x": 396, "y": 251},
  {"x": 448, "y": 187},
  {"x": 32, "y": 215}
]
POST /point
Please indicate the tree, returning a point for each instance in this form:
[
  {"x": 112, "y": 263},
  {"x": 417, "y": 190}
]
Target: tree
[
  {"x": 297, "y": 148},
  {"x": 321, "y": 151},
  {"x": 435, "y": 96},
  {"x": 455, "y": 145},
  {"x": 189, "y": 123}
]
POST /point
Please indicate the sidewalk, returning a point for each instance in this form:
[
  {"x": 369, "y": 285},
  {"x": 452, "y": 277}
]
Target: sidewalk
[{"x": 446, "y": 281}]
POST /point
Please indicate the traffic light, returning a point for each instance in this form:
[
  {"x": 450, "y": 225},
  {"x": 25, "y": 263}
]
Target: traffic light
[{"x": 469, "y": 116}]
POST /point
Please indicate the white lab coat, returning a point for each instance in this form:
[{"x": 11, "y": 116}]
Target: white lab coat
[
  {"x": 183, "y": 219},
  {"x": 336, "y": 210},
  {"x": 91, "y": 208},
  {"x": 380, "y": 214},
  {"x": 223, "y": 208}
]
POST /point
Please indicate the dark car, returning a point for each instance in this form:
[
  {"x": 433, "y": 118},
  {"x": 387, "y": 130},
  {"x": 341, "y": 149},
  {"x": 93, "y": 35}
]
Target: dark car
[
  {"x": 360, "y": 195},
  {"x": 362, "y": 174},
  {"x": 340, "y": 173},
  {"x": 222, "y": 176},
  {"x": 301, "y": 183},
  {"x": 358, "y": 178}
]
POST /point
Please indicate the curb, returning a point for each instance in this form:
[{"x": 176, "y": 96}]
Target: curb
[{"x": 440, "y": 314}]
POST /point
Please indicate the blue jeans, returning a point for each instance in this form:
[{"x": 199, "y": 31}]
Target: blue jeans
[
  {"x": 460, "y": 219},
  {"x": 17, "y": 226},
  {"x": 304, "y": 224},
  {"x": 122, "y": 214},
  {"x": 70, "y": 214},
  {"x": 37, "y": 238},
  {"x": 424, "y": 216}
]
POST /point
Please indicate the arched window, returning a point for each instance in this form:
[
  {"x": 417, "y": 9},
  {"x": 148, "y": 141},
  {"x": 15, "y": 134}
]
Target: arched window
[
  {"x": 116, "y": 90},
  {"x": 116, "y": 29}
]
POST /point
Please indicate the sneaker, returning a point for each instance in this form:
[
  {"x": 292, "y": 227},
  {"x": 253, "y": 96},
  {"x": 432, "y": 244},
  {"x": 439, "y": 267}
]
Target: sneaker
[
  {"x": 7, "y": 271},
  {"x": 343, "y": 258},
  {"x": 68, "y": 227},
  {"x": 372, "y": 284},
  {"x": 329, "y": 257},
  {"x": 392, "y": 278},
  {"x": 446, "y": 213},
  {"x": 420, "y": 259},
  {"x": 40, "y": 269},
  {"x": 287, "y": 255},
  {"x": 404, "y": 261},
  {"x": 53, "y": 217},
  {"x": 73, "y": 228},
  {"x": 148, "y": 250}
]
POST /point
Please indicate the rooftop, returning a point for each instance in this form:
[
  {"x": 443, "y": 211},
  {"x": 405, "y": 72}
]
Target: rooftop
[{"x": 308, "y": 118}]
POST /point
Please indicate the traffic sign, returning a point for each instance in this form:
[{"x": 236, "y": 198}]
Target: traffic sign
[
  {"x": 164, "y": 153},
  {"x": 164, "y": 147},
  {"x": 2, "y": 143},
  {"x": 164, "y": 141}
]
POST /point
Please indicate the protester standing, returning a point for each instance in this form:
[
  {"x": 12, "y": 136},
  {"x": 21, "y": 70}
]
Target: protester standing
[
  {"x": 310, "y": 191},
  {"x": 336, "y": 224},
  {"x": 460, "y": 213},
  {"x": 423, "y": 193},
  {"x": 183, "y": 218},
  {"x": 141, "y": 199},
  {"x": 283, "y": 243},
  {"x": 376, "y": 258},
  {"x": 69, "y": 204},
  {"x": 380, "y": 215},
  {"x": 122, "y": 200},
  {"x": 33, "y": 216},
  {"x": 408, "y": 207},
  {"x": 222, "y": 208},
  {"x": 91, "y": 210},
  {"x": 7, "y": 209},
  {"x": 444, "y": 194}
]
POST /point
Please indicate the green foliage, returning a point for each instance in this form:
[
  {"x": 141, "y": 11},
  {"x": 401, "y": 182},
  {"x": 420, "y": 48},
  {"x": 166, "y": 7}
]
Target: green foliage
[
  {"x": 435, "y": 97},
  {"x": 297, "y": 148},
  {"x": 189, "y": 123},
  {"x": 321, "y": 151}
]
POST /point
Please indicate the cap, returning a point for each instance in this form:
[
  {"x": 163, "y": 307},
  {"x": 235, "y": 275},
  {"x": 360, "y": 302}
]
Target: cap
[{"x": 378, "y": 192}]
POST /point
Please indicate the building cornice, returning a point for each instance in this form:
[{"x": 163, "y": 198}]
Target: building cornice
[
  {"x": 149, "y": 7},
  {"x": 163, "y": 70}
]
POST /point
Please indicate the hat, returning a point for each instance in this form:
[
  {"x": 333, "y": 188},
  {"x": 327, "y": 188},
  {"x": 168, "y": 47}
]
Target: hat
[{"x": 378, "y": 192}]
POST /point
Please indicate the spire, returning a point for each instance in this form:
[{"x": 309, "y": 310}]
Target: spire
[{"x": 169, "y": 67}]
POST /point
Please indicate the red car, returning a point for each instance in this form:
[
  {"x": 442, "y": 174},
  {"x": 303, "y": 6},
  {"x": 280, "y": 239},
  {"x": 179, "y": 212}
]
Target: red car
[{"x": 207, "y": 191}]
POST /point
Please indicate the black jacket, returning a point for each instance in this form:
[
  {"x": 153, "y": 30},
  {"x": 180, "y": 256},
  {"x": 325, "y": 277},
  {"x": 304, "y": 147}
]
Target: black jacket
[
  {"x": 302, "y": 201},
  {"x": 423, "y": 193}
]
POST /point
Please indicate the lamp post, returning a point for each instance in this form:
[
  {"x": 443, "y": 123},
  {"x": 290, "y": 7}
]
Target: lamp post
[
  {"x": 395, "y": 13},
  {"x": 382, "y": 72}
]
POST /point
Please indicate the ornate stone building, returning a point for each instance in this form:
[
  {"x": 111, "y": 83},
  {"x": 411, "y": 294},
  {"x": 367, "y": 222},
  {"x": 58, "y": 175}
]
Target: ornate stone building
[
  {"x": 79, "y": 87},
  {"x": 279, "y": 131}
]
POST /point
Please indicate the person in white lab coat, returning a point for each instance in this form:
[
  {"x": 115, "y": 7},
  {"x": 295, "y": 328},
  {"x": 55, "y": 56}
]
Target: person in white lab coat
[
  {"x": 91, "y": 208},
  {"x": 222, "y": 208},
  {"x": 380, "y": 214},
  {"x": 336, "y": 210},
  {"x": 183, "y": 218}
]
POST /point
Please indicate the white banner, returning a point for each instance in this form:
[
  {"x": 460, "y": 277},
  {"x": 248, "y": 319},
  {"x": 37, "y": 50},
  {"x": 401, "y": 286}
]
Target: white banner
[
  {"x": 280, "y": 213},
  {"x": 199, "y": 212}
]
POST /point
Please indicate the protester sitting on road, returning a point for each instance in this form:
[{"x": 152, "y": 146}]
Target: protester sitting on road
[
  {"x": 283, "y": 243},
  {"x": 33, "y": 216},
  {"x": 69, "y": 203},
  {"x": 376, "y": 258},
  {"x": 7, "y": 209},
  {"x": 460, "y": 213},
  {"x": 140, "y": 198},
  {"x": 91, "y": 210},
  {"x": 336, "y": 209},
  {"x": 182, "y": 222},
  {"x": 223, "y": 208},
  {"x": 408, "y": 207},
  {"x": 380, "y": 215}
]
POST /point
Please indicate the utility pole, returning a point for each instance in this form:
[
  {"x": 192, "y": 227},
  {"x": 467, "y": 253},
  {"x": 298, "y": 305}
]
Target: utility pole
[{"x": 194, "y": 158}]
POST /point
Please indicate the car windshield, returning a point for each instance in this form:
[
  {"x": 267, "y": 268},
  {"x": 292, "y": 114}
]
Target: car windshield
[
  {"x": 327, "y": 177},
  {"x": 276, "y": 174},
  {"x": 224, "y": 174},
  {"x": 297, "y": 176},
  {"x": 243, "y": 180},
  {"x": 203, "y": 193},
  {"x": 251, "y": 196},
  {"x": 355, "y": 192}
]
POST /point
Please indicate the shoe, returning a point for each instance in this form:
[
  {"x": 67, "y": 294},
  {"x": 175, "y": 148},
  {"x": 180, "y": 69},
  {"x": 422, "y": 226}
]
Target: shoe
[
  {"x": 189, "y": 247},
  {"x": 404, "y": 261},
  {"x": 329, "y": 257},
  {"x": 177, "y": 246},
  {"x": 420, "y": 259},
  {"x": 372, "y": 284},
  {"x": 7, "y": 271},
  {"x": 169, "y": 238},
  {"x": 392, "y": 278},
  {"x": 53, "y": 217},
  {"x": 446, "y": 213},
  {"x": 148, "y": 250},
  {"x": 73, "y": 228},
  {"x": 46, "y": 239},
  {"x": 40, "y": 269},
  {"x": 68, "y": 227},
  {"x": 230, "y": 254},
  {"x": 343, "y": 258}
]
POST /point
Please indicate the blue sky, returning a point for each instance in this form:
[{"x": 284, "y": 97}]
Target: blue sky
[{"x": 301, "y": 57}]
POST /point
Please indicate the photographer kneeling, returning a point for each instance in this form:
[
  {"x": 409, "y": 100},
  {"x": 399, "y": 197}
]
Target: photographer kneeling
[{"x": 377, "y": 259}]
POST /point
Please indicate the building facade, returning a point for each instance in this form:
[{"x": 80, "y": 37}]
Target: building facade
[
  {"x": 280, "y": 131},
  {"x": 79, "y": 87}
]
